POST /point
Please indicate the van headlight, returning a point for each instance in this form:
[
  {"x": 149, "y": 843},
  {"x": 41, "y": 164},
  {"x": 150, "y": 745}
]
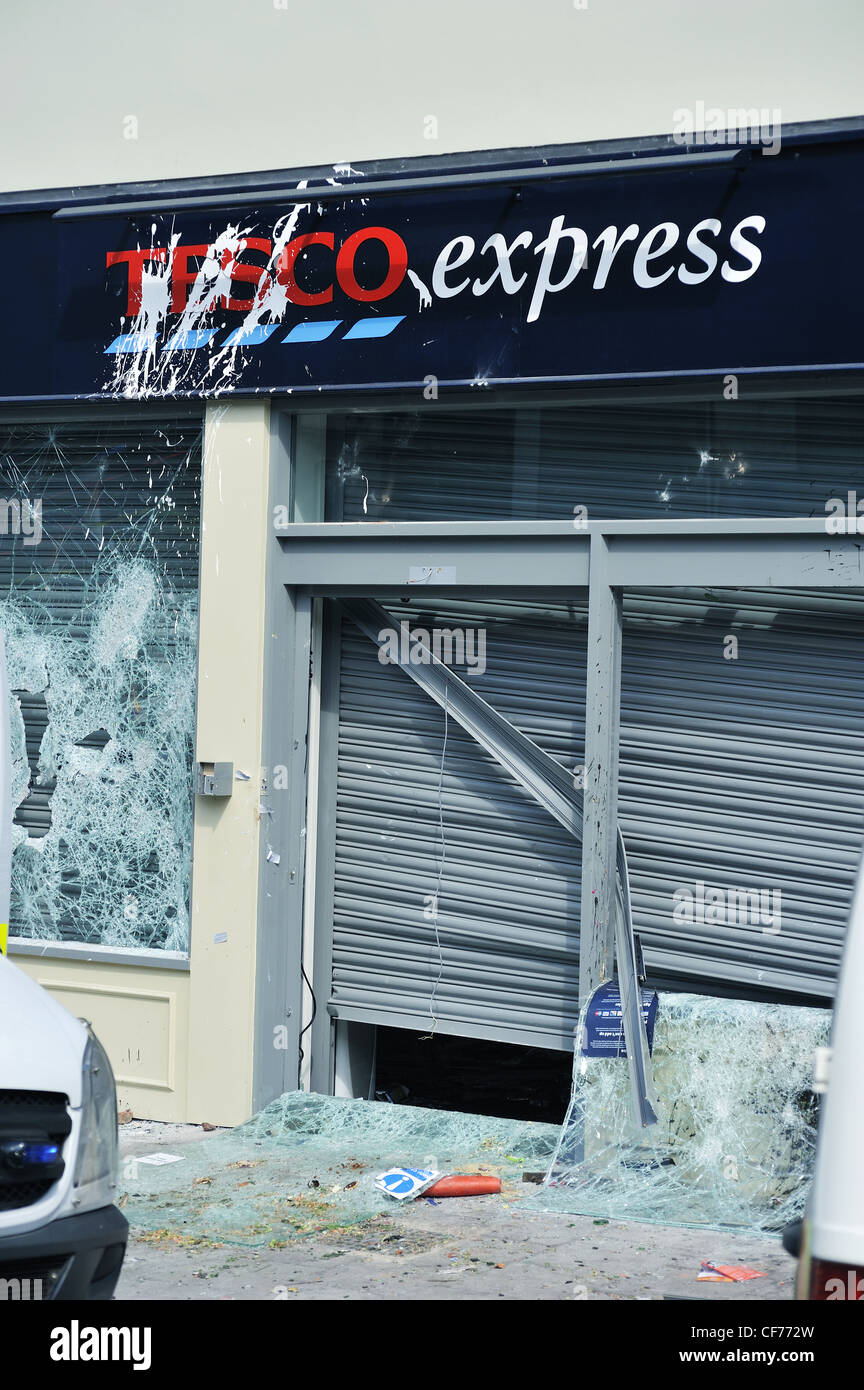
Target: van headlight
[{"x": 96, "y": 1164}]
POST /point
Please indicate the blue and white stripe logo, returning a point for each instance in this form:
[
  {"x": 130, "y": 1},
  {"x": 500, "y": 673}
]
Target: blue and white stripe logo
[{"x": 311, "y": 331}]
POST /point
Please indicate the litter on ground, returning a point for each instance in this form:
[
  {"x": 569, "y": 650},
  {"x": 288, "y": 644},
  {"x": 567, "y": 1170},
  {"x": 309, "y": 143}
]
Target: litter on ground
[
  {"x": 727, "y": 1274},
  {"x": 315, "y": 1162}
]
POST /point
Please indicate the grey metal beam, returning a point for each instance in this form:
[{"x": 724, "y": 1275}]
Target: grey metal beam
[
  {"x": 278, "y": 975},
  {"x": 278, "y": 989},
  {"x": 752, "y": 526},
  {"x": 320, "y": 1037},
  {"x": 600, "y": 775},
  {"x": 361, "y": 557},
  {"x": 547, "y": 781},
  {"x": 606, "y": 920},
  {"x": 735, "y": 561},
  {"x": 371, "y": 532},
  {"x": 642, "y": 1093},
  {"x": 652, "y": 526},
  {"x": 357, "y": 556}
]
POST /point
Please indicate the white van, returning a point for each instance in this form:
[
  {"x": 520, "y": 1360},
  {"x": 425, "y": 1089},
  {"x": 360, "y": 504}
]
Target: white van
[
  {"x": 61, "y": 1237},
  {"x": 831, "y": 1242}
]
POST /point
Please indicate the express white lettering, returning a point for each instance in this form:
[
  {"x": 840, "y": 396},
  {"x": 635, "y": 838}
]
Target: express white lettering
[{"x": 654, "y": 257}]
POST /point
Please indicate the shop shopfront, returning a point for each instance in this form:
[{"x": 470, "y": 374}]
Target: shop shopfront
[{"x": 585, "y": 422}]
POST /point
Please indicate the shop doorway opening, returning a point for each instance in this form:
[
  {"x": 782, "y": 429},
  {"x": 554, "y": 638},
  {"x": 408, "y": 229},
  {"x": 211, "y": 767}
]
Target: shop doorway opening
[{"x": 472, "y": 1075}]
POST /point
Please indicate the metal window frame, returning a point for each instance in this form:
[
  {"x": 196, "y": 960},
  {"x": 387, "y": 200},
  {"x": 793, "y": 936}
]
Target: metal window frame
[
  {"x": 331, "y": 559},
  {"x": 527, "y": 559}
]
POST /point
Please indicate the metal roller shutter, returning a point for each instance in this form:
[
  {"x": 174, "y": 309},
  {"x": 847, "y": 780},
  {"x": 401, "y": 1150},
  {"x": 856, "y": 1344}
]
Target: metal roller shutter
[
  {"x": 728, "y": 777},
  {"x": 747, "y": 457},
  {"x": 509, "y": 900},
  {"x": 743, "y": 774}
]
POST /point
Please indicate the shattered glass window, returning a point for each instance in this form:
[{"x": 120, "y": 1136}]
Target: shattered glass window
[
  {"x": 99, "y": 527},
  {"x": 737, "y": 1118}
]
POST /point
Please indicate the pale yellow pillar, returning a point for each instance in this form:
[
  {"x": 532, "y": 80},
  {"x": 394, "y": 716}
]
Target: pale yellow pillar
[{"x": 225, "y": 865}]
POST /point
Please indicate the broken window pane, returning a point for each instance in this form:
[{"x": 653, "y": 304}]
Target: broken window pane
[
  {"x": 736, "y": 1136},
  {"x": 98, "y": 601}
]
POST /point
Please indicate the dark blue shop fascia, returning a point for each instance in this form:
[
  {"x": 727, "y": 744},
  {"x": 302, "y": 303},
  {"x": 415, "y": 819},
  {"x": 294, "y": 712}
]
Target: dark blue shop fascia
[{"x": 603, "y": 262}]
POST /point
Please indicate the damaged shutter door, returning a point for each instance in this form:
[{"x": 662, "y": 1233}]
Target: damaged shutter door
[
  {"x": 741, "y": 773},
  {"x": 728, "y": 779},
  {"x": 742, "y": 768},
  {"x": 508, "y": 896}
]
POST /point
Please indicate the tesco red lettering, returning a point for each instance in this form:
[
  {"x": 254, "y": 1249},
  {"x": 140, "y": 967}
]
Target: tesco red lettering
[
  {"x": 285, "y": 273},
  {"x": 135, "y": 261},
  {"x": 397, "y": 252},
  {"x": 182, "y": 277},
  {"x": 244, "y": 273},
  {"x": 185, "y": 266}
]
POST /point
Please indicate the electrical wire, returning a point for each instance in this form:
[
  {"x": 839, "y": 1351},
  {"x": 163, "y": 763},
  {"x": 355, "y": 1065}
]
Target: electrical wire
[
  {"x": 314, "y": 1012},
  {"x": 441, "y": 863}
]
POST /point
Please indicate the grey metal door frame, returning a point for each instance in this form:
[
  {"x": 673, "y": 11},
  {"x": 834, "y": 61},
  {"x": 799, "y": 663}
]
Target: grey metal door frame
[{"x": 530, "y": 559}]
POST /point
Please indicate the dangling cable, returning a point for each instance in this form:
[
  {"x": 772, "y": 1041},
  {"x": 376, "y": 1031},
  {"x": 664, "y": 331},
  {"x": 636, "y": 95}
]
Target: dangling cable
[{"x": 441, "y": 862}]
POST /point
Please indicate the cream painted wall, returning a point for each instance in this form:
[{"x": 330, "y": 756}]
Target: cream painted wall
[
  {"x": 234, "y": 537},
  {"x": 212, "y": 87},
  {"x": 141, "y": 1016}
]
